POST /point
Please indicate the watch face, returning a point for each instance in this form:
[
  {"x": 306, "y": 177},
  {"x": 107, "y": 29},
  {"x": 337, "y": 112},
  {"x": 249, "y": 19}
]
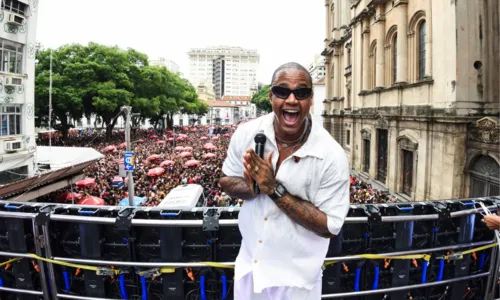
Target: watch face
[{"x": 280, "y": 189}]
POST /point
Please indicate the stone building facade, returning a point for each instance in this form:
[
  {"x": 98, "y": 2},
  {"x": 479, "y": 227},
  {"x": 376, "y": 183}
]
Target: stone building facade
[{"x": 413, "y": 92}]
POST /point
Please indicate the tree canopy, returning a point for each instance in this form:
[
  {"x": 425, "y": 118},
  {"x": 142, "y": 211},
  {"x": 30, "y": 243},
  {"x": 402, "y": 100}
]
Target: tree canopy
[
  {"x": 99, "y": 80},
  {"x": 261, "y": 99}
]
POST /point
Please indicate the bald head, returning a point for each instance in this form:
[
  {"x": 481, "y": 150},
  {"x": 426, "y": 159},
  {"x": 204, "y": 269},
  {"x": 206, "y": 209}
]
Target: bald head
[{"x": 294, "y": 66}]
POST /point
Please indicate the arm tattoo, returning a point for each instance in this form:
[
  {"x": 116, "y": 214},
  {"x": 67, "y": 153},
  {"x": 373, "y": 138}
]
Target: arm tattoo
[
  {"x": 305, "y": 214},
  {"x": 236, "y": 187}
]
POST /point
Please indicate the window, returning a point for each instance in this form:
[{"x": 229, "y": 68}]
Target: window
[
  {"x": 395, "y": 59},
  {"x": 10, "y": 120},
  {"x": 348, "y": 138},
  {"x": 12, "y": 57},
  {"x": 14, "y": 6},
  {"x": 421, "y": 50},
  {"x": 12, "y": 175}
]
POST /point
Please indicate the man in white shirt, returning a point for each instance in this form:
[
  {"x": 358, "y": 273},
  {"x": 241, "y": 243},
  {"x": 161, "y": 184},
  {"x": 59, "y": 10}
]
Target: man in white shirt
[{"x": 303, "y": 199}]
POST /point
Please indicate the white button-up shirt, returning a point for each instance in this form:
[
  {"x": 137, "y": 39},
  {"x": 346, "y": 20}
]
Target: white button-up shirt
[{"x": 278, "y": 251}]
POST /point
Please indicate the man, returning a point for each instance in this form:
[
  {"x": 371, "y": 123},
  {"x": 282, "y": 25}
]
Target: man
[{"x": 303, "y": 200}]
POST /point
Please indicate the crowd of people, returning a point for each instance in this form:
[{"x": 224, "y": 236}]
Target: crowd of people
[{"x": 202, "y": 147}]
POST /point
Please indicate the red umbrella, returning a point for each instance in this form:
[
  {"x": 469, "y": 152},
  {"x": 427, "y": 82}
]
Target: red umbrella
[
  {"x": 156, "y": 172},
  {"x": 122, "y": 145},
  {"x": 180, "y": 139},
  {"x": 209, "y": 146},
  {"x": 182, "y": 135},
  {"x": 209, "y": 155},
  {"x": 188, "y": 149},
  {"x": 154, "y": 157},
  {"x": 170, "y": 139},
  {"x": 192, "y": 163},
  {"x": 109, "y": 148},
  {"x": 185, "y": 128},
  {"x": 91, "y": 200},
  {"x": 140, "y": 141},
  {"x": 117, "y": 179},
  {"x": 185, "y": 154},
  {"x": 68, "y": 196},
  {"x": 153, "y": 137},
  {"x": 86, "y": 182},
  {"x": 203, "y": 138},
  {"x": 167, "y": 163},
  {"x": 227, "y": 135},
  {"x": 193, "y": 130},
  {"x": 160, "y": 142},
  {"x": 215, "y": 138},
  {"x": 179, "y": 148}
]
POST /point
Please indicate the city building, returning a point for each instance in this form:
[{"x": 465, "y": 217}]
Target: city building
[
  {"x": 319, "y": 94},
  {"x": 232, "y": 70},
  {"x": 28, "y": 171},
  {"x": 317, "y": 67},
  {"x": 167, "y": 63},
  {"x": 413, "y": 93},
  {"x": 246, "y": 109},
  {"x": 17, "y": 110}
]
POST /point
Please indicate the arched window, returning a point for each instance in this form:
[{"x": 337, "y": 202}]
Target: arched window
[
  {"x": 395, "y": 58},
  {"x": 391, "y": 56},
  {"x": 422, "y": 39}
]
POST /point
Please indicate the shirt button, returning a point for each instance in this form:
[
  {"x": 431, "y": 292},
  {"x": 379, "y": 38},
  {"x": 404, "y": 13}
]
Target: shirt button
[
  {"x": 265, "y": 219},
  {"x": 260, "y": 241},
  {"x": 255, "y": 261}
]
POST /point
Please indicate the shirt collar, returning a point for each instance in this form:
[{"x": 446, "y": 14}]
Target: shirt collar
[{"x": 312, "y": 146}]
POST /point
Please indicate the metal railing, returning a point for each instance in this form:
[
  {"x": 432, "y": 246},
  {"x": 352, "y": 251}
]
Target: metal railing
[{"x": 42, "y": 241}]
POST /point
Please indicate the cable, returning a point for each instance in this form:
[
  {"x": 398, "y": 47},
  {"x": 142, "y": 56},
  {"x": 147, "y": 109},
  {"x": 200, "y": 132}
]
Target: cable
[
  {"x": 66, "y": 281},
  {"x": 423, "y": 279},
  {"x": 123, "y": 290},
  {"x": 375, "y": 278},
  {"x": 144, "y": 288},
  {"x": 356, "y": 280},
  {"x": 202, "y": 287}
]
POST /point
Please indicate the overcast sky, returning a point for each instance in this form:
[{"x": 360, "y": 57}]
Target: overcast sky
[{"x": 280, "y": 30}]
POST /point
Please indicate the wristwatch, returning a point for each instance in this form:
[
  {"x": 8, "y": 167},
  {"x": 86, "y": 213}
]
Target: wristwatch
[{"x": 279, "y": 191}]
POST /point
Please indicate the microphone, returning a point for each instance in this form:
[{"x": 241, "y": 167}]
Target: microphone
[{"x": 260, "y": 142}]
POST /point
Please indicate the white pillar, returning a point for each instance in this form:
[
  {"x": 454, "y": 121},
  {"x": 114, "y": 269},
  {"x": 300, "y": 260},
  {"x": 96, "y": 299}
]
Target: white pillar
[
  {"x": 366, "y": 60},
  {"x": 402, "y": 21},
  {"x": 380, "y": 61},
  {"x": 428, "y": 45}
]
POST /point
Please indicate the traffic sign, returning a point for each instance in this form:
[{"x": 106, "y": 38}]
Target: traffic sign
[{"x": 129, "y": 161}]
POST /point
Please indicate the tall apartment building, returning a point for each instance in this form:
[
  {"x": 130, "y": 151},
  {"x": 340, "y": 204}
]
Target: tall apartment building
[
  {"x": 17, "y": 70},
  {"x": 219, "y": 77},
  {"x": 413, "y": 93},
  {"x": 232, "y": 70},
  {"x": 167, "y": 63},
  {"x": 317, "y": 68}
]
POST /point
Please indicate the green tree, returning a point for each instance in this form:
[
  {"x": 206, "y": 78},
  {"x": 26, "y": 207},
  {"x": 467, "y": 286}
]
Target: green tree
[
  {"x": 98, "y": 80},
  {"x": 261, "y": 99}
]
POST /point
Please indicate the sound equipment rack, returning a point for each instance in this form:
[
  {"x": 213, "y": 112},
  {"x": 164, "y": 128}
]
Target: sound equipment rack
[{"x": 435, "y": 250}]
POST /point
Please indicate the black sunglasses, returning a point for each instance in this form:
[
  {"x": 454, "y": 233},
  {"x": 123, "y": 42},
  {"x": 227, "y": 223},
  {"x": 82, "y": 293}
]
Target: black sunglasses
[{"x": 284, "y": 93}]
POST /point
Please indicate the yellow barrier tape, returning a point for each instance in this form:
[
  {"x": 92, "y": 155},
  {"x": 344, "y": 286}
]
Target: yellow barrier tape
[
  {"x": 10, "y": 261},
  {"x": 207, "y": 263},
  {"x": 446, "y": 257},
  {"x": 67, "y": 264},
  {"x": 425, "y": 257}
]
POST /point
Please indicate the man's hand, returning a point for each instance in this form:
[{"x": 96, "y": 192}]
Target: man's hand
[
  {"x": 492, "y": 221},
  {"x": 259, "y": 170}
]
